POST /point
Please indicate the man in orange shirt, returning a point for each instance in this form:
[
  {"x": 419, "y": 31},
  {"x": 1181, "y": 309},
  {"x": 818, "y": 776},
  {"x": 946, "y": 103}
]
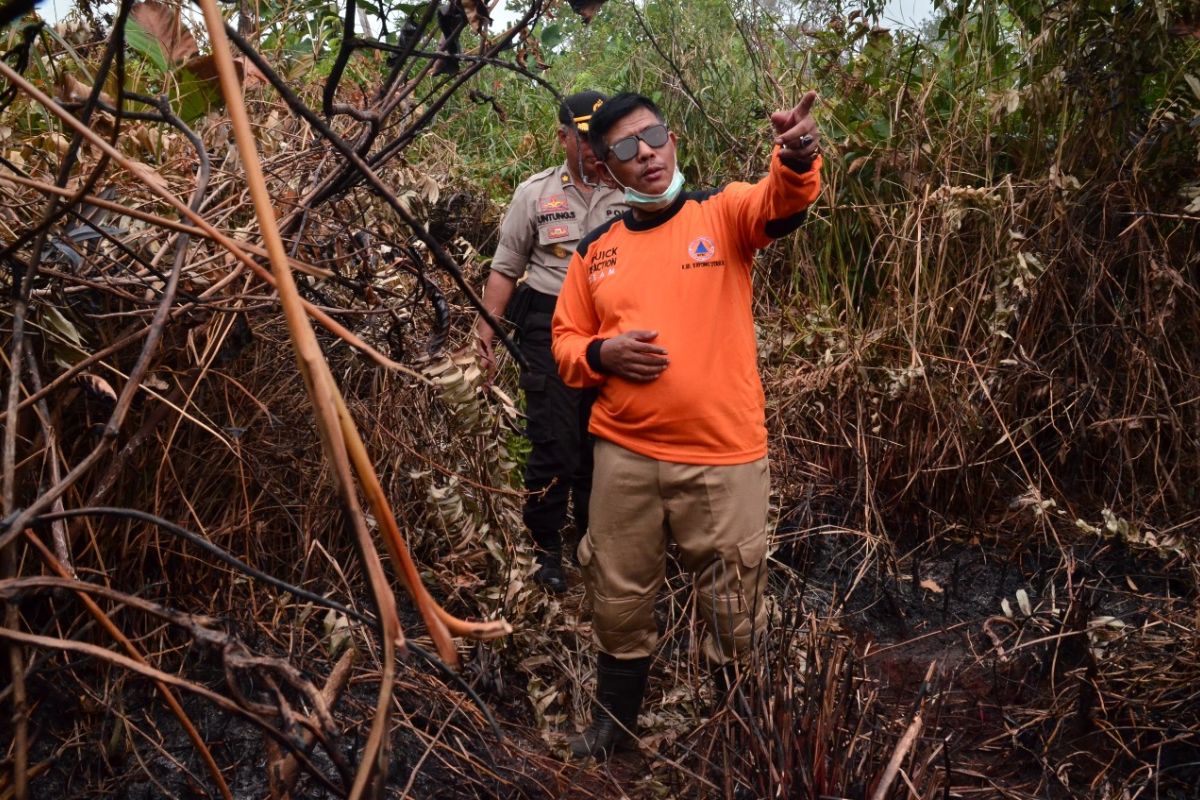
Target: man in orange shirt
[{"x": 655, "y": 312}]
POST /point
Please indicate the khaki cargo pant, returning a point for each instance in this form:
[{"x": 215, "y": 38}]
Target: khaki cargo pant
[{"x": 718, "y": 517}]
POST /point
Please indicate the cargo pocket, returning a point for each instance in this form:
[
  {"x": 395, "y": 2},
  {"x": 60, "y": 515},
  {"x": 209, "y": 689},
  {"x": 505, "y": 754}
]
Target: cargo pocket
[
  {"x": 585, "y": 551},
  {"x": 532, "y": 381},
  {"x": 752, "y": 551},
  {"x": 587, "y": 556},
  {"x": 624, "y": 626}
]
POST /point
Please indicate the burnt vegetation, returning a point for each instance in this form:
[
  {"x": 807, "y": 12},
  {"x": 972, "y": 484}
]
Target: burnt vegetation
[{"x": 261, "y": 529}]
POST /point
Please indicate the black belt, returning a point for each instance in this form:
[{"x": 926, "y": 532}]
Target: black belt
[{"x": 542, "y": 303}]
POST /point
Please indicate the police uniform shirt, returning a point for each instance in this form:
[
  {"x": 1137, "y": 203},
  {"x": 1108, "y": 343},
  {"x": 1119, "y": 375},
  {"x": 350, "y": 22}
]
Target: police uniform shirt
[{"x": 548, "y": 217}]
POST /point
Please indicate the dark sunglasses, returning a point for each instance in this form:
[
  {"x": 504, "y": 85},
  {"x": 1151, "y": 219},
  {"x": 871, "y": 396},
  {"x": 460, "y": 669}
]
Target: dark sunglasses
[{"x": 625, "y": 149}]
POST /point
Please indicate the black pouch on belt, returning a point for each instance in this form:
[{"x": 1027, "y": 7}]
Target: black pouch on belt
[{"x": 519, "y": 306}]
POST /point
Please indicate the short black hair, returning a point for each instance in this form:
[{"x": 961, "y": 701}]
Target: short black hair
[{"x": 617, "y": 108}]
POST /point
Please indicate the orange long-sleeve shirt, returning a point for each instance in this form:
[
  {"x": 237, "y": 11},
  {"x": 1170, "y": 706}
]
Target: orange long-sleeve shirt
[{"x": 686, "y": 274}]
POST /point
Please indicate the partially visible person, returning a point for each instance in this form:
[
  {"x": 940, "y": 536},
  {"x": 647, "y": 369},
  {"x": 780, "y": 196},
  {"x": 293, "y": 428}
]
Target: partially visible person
[
  {"x": 656, "y": 314},
  {"x": 549, "y": 214}
]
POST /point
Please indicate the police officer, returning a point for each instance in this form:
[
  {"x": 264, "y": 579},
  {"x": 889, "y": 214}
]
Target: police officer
[{"x": 550, "y": 212}]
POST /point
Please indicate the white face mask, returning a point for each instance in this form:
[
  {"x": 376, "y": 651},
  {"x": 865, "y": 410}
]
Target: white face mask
[{"x": 653, "y": 202}]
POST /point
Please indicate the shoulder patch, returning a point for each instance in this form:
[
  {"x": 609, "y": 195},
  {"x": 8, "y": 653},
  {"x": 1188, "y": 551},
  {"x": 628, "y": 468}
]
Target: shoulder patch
[{"x": 552, "y": 202}]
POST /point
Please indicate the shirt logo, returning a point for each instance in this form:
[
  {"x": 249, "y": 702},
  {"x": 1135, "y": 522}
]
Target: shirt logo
[
  {"x": 604, "y": 263},
  {"x": 555, "y": 202},
  {"x": 558, "y": 232},
  {"x": 702, "y": 249}
]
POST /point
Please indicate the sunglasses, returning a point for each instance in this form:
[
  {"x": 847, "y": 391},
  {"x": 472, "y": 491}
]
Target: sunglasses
[{"x": 625, "y": 149}]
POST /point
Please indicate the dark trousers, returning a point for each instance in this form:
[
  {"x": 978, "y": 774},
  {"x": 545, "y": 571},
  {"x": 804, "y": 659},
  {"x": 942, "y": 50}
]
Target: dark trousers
[{"x": 558, "y": 473}]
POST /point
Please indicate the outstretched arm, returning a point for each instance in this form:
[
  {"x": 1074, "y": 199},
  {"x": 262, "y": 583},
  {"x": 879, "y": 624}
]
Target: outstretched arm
[{"x": 776, "y": 205}]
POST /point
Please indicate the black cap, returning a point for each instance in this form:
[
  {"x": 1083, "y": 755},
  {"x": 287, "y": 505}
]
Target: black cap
[{"x": 576, "y": 109}]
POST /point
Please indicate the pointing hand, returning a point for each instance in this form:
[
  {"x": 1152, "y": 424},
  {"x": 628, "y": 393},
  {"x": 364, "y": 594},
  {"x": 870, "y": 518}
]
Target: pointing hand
[{"x": 796, "y": 130}]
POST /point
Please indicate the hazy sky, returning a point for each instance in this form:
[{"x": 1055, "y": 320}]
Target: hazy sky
[{"x": 907, "y": 12}]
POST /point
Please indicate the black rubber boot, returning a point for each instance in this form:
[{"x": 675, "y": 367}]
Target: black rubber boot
[
  {"x": 620, "y": 687},
  {"x": 550, "y": 570}
]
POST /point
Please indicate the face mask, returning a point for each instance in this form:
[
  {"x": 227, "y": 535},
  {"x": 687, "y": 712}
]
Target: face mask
[{"x": 652, "y": 202}]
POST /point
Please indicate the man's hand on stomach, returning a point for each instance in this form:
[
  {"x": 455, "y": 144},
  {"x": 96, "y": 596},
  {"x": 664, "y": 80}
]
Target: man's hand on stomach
[{"x": 631, "y": 356}]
